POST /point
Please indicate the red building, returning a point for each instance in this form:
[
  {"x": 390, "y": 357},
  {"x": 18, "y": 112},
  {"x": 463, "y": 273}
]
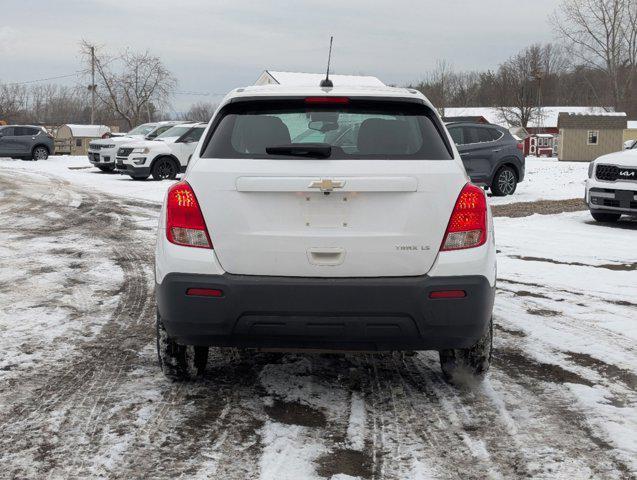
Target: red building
[{"x": 540, "y": 145}]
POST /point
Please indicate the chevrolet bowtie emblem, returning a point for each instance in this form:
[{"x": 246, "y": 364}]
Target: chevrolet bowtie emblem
[{"x": 327, "y": 185}]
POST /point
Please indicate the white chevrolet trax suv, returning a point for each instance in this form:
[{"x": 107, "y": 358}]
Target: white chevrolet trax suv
[{"x": 325, "y": 218}]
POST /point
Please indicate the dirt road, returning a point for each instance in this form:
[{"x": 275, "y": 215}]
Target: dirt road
[{"x": 81, "y": 395}]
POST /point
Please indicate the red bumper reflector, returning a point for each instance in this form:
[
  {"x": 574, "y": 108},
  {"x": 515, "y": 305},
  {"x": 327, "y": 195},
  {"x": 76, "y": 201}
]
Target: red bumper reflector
[
  {"x": 204, "y": 292},
  {"x": 448, "y": 294}
]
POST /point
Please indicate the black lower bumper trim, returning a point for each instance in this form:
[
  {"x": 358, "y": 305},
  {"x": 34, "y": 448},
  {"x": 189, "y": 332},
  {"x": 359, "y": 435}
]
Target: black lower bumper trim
[{"x": 332, "y": 313}]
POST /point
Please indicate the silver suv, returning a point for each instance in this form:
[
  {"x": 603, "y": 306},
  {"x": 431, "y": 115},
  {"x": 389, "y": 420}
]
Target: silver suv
[{"x": 25, "y": 141}]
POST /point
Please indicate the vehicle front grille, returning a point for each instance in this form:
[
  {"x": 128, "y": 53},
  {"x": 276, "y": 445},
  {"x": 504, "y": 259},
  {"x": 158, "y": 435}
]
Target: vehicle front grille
[
  {"x": 609, "y": 173},
  {"x": 124, "y": 152}
]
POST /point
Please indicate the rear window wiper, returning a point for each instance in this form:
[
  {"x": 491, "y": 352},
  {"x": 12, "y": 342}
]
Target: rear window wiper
[{"x": 314, "y": 150}]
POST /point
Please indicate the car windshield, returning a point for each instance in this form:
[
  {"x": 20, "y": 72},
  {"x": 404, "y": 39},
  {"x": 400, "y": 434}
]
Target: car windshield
[
  {"x": 355, "y": 129},
  {"x": 142, "y": 129},
  {"x": 177, "y": 131}
]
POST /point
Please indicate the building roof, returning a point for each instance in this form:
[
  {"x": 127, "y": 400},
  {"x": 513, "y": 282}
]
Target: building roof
[
  {"x": 548, "y": 119},
  {"x": 90, "y": 131},
  {"x": 632, "y": 125},
  {"x": 300, "y": 79},
  {"x": 600, "y": 122}
]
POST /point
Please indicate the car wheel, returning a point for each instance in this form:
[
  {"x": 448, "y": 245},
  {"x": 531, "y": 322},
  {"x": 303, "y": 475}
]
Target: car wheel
[
  {"x": 606, "y": 217},
  {"x": 106, "y": 168},
  {"x": 164, "y": 168},
  {"x": 472, "y": 363},
  {"x": 40, "y": 153},
  {"x": 179, "y": 362},
  {"x": 505, "y": 182}
]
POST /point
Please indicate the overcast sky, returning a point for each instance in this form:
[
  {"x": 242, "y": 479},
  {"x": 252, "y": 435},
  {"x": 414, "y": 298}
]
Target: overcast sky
[{"x": 213, "y": 46}]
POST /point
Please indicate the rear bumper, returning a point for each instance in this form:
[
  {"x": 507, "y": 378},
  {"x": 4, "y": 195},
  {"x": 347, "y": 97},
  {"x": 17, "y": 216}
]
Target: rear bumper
[{"x": 331, "y": 313}]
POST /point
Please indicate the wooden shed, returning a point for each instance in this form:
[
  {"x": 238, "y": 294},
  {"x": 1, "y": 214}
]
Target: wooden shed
[
  {"x": 74, "y": 139},
  {"x": 585, "y": 137}
]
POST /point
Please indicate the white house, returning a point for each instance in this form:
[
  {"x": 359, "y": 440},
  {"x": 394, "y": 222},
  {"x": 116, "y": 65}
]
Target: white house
[{"x": 299, "y": 79}]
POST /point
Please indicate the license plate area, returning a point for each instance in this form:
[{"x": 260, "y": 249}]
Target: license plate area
[{"x": 326, "y": 211}]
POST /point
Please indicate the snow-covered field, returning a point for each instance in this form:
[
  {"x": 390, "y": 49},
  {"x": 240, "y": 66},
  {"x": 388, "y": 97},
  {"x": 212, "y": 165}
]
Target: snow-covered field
[{"x": 81, "y": 395}]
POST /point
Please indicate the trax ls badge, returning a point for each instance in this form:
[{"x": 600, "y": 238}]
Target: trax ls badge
[{"x": 326, "y": 185}]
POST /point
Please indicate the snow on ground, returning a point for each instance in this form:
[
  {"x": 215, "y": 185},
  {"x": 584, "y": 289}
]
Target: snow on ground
[
  {"x": 548, "y": 179},
  {"x": 81, "y": 395},
  {"x": 78, "y": 171}
]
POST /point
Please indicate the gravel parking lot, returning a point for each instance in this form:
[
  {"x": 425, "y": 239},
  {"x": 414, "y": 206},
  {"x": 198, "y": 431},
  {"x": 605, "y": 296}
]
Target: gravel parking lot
[{"x": 81, "y": 394}]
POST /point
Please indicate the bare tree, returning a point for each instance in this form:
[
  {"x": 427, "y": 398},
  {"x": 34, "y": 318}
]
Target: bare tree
[
  {"x": 603, "y": 35},
  {"x": 200, "y": 112},
  {"x": 140, "y": 86},
  {"x": 518, "y": 101},
  {"x": 520, "y": 79},
  {"x": 438, "y": 85},
  {"x": 13, "y": 102}
]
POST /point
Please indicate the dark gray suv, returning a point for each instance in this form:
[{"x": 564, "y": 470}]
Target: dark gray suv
[
  {"x": 491, "y": 156},
  {"x": 25, "y": 141}
]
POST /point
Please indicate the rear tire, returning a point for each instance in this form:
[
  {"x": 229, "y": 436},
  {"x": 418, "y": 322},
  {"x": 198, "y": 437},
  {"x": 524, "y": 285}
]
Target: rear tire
[
  {"x": 106, "y": 168},
  {"x": 473, "y": 363},
  {"x": 164, "y": 169},
  {"x": 179, "y": 362},
  {"x": 40, "y": 153},
  {"x": 605, "y": 217},
  {"x": 504, "y": 182}
]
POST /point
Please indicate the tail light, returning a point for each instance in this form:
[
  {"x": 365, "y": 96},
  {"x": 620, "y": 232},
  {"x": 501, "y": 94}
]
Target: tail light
[
  {"x": 184, "y": 221},
  {"x": 521, "y": 147},
  {"x": 468, "y": 223}
]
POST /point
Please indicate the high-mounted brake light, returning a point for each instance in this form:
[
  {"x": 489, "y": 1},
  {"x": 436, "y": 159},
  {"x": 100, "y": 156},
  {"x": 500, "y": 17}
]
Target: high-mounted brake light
[
  {"x": 328, "y": 100},
  {"x": 468, "y": 223},
  {"x": 184, "y": 221}
]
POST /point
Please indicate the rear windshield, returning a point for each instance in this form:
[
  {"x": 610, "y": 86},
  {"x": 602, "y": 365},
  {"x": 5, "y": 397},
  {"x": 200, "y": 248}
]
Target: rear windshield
[{"x": 357, "y": 130}]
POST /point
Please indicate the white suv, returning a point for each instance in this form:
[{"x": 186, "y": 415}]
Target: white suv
[
  {"x": 611, "y": 187},
  {"x": 101, "y": 153},
  {"x": 164, "y": 157},
  {"x": 325, "y": 218}
]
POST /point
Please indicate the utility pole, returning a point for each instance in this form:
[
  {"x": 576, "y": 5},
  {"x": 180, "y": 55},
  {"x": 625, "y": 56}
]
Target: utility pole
[{"x": 92, "y": 87}]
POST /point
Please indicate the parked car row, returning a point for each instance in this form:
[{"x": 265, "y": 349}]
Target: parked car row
[
  {"x": 28, "y": 142},
  {"x": 159, "y": 149}
]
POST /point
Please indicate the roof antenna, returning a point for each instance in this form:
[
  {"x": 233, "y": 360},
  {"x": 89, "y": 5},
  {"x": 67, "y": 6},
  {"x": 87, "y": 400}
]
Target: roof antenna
[{"x": 326, "y": 82}]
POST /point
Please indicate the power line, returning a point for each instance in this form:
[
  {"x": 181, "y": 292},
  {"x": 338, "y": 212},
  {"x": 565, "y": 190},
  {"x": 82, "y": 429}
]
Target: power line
[
  {"x": 45, "y": 79},
  {"x": 83, "y": 72}
]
